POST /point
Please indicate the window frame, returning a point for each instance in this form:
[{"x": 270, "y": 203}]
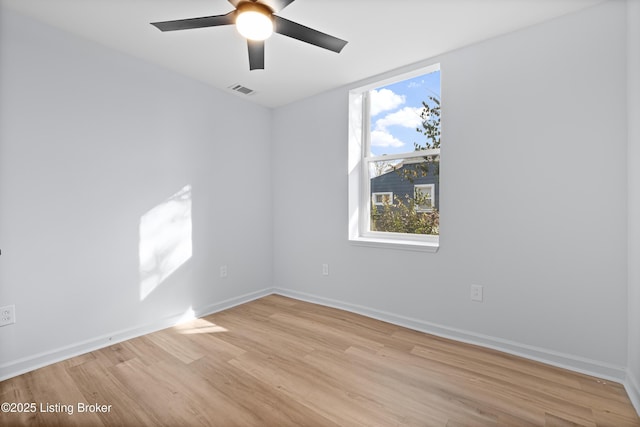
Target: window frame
[{"x": 360, "y": 157}]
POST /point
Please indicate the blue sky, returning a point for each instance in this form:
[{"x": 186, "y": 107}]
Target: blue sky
[{"x": 395, "y": 113}]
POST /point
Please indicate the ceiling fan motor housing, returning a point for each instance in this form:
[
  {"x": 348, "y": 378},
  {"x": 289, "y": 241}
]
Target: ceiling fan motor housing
[{"x": 254, "y": 6}]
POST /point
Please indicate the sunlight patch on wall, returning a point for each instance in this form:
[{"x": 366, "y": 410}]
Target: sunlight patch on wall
[
  {"x": 188, "y": 316},
  {"x": 165, "y": 240}
]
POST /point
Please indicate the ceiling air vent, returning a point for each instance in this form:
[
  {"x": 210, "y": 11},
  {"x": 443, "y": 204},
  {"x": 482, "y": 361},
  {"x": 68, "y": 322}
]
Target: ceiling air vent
[{"x": 242, "y": 89}]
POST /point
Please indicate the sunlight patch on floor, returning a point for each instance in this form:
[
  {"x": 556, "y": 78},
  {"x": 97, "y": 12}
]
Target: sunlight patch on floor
[{"x": 199, "y": 326}]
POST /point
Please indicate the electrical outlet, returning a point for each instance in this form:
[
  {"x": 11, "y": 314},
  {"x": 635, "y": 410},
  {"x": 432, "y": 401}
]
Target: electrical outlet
[
  {"x": 325, "y": 269},
  {"x": 7, "y": 315},
  {"x": 476, "y": 293},
  {"x": 223, "y": 271}
]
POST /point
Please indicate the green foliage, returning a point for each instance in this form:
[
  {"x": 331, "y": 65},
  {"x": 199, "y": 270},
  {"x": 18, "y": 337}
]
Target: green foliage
[
  {"x": 405, "y": 217},
  {"x": 430, "y": 117}
]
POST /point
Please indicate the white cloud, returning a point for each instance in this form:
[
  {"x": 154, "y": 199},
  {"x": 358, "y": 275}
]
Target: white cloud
[
  {"x": 385, "y": 100},
  {"x": 382, "y": 138},
  {"x": 408, "y": 117}
]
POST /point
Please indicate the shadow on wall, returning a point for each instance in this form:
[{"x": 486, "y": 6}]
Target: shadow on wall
[{"x": 165, "y": 240}]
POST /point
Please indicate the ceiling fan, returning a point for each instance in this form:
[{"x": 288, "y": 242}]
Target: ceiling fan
[{"x": 256, "y": 21}]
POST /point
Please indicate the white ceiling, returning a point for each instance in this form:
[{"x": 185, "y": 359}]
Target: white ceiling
[{"x": 382, "y": 34}]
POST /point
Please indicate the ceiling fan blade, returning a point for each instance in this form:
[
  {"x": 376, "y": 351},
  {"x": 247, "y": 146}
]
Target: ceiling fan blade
[
  {"x": 307, "y": 35},
  {"x": 274, "y": 5},
  {"x": 205, "y": 21},
  {"x": 277, "y": 5},
  {"x": 256, "y": 54}
]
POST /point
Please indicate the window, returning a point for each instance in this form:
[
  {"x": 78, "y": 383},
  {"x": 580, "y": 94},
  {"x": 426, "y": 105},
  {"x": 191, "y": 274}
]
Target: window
[
  {"x": 423, "y": 195},
  {"x": 380, "y": 199},
  {"x": 394, "y": 161}
]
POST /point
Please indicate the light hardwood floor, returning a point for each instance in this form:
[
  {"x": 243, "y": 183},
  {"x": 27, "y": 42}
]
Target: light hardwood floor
[{"x": 277, "y": 361}]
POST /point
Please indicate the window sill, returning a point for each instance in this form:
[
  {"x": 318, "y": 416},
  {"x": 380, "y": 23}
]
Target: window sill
[{"x": 407, "y": 245}]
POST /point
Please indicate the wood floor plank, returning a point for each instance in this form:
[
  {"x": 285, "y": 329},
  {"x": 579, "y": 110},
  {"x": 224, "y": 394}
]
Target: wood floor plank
[
  {"x": 155, "y": 395},
  {"x": 264, "y": 399},
  {"x": 315, "y": 390},
  {"x": 551, "y": 420},
  {"x": 405, "y": 399},
  {"x": 278, "y": 361},
  {"x": 147, "y": 351},
  {"x": 550, "y": 389},
  {"x": 56, "y": 397},
  {"x": 438, "y": 344},
  {"x": 454, "y": 386},
  {"x": 177, "y": 345},
  {"x": 325, "y": 336},
  {"x": 98, "y": 385},
  {"x": 261, "y": 335}
]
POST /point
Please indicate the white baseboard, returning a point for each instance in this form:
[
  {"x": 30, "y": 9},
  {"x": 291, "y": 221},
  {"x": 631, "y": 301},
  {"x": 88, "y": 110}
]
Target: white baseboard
[
  {"x": 27, "y": 364},
  {"x": 632, "y": 386},
  {"x": 567, "y": 361}
]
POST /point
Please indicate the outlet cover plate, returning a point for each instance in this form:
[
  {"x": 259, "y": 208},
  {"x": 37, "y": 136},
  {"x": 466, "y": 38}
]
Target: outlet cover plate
[
  {"x": 476, "y": 293},
  {"x": 7, "y": 315},
  {"x": 325, "y": 269}
]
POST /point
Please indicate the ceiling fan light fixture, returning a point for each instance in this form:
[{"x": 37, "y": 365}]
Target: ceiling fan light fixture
[{"x": 254, "y": 21}]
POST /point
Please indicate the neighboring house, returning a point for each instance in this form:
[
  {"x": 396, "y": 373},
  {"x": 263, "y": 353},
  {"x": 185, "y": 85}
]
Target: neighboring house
[{"x": 394, "y": 183}]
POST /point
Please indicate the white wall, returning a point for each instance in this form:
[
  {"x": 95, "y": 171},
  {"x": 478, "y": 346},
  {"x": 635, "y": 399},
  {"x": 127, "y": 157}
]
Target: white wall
[
  {"x": 533, "y": 201},
  {"x": 633, "y": 115},
  {"x": 90, "y": 141}
]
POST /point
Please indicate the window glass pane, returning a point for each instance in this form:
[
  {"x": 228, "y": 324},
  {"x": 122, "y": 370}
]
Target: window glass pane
[
  {"x": 405, "y": 115},
  {"x": 414, "y": 185}
]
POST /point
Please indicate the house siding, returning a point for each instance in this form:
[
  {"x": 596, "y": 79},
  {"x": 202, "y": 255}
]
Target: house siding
[{"x": 395, "y": 182}]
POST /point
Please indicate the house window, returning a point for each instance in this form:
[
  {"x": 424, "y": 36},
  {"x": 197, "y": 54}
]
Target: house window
[
  {"x": 424, "y": 195},
  {"x": 380, "y": 199},
  {"x": 394, "y": 161}
]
